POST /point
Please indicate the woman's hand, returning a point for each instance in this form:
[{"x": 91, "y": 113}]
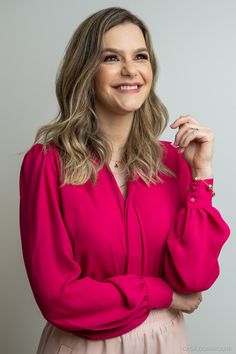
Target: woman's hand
[
  {"x": 196, "y": 143},
  {"x": 186, "y": 302}
]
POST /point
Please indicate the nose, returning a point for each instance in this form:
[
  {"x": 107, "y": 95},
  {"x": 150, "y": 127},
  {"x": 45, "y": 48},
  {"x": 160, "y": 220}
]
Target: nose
[{"x": 129, "y": 68}]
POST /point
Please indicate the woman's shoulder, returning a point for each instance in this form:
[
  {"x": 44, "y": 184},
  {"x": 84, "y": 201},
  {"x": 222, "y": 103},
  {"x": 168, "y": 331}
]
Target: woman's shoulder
[
  {"x": 40, "y": 155},
  {"x": 39, "y": 149}
]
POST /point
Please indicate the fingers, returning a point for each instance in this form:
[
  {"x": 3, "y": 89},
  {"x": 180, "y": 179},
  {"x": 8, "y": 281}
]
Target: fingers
[
  {"x": 192, "y": 309},
  {"x": 194, "y": 304},
  {"x": 182, "y": 120},
  {"x": 186, "y": 124},
  {"x": 185, "y": 130},
  {"x": 189, "y": 130},
  {"x": 188, "y": 311},
  {"x": 187, "y": 302},
  {"x": 192, "y": 134}
]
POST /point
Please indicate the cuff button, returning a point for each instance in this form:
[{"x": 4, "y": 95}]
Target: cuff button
[
  {"x": 192, "y": 200},
  {"x": 194, "y": 187}
]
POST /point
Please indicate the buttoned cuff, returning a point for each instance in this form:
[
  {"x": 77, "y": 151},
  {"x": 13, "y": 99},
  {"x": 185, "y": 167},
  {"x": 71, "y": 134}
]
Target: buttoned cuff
[{"x": 200, "y": 192}]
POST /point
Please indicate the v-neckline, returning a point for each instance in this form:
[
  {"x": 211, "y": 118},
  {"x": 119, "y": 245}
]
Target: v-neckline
[
  {"x": 107, "y": 167},
  {"x": 124, "y": 199},
  {"x": 129, "y": 190}
]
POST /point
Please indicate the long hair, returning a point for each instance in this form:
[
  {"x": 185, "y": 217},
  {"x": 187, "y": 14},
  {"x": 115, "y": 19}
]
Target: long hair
[{"x": 75, "y": 130}]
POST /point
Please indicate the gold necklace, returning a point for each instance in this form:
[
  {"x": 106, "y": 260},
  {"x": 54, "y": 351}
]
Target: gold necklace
[{"x": 116, "y": 164}]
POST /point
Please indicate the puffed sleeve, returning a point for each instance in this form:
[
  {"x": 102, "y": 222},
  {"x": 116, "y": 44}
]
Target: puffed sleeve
[
  {"x": 196, "y": 236},
  {"x": 83, "y": 305}
]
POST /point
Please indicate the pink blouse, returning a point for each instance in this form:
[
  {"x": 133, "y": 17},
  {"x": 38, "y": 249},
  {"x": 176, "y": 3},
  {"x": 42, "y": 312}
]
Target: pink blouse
[{"x": 97, "y": 263}]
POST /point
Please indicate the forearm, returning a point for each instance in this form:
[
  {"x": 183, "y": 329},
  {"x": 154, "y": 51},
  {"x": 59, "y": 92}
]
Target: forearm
[{"x": 206, "y": 172}]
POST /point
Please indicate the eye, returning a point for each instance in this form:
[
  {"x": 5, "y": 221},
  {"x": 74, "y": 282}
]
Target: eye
[
  {"x": 110, "y": 56},
  {"x": 143, "y": 56}
]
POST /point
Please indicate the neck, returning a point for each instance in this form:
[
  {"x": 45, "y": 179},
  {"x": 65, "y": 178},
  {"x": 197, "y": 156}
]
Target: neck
[{"x": 116, "y": 128}]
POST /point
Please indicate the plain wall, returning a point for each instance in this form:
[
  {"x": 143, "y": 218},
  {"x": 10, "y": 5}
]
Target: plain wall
[{"x": 195, "y": 45}]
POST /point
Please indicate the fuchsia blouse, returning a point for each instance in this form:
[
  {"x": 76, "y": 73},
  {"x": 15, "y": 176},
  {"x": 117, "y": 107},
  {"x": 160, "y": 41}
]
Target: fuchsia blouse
[{"x": 98, "y": 263}]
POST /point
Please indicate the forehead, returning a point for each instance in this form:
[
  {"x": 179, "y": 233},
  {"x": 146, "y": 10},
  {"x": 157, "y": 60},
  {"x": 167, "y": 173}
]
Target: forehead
[{"x": 124, "y": 36}]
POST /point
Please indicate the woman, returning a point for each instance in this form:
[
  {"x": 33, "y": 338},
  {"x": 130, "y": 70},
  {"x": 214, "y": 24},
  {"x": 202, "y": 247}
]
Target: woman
[{"x": 119, "y": 238}]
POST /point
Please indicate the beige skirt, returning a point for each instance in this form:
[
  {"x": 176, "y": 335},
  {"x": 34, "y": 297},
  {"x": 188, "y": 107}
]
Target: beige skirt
[{"x": 163, "y": 332}]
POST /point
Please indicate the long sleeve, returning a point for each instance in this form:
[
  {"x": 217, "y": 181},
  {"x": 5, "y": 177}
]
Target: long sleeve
[
  {"x": 79, "y": 304},
  {"x": 196, "y": 237}
]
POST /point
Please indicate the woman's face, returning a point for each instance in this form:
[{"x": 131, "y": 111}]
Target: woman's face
[{"x": 128, "y": 64}]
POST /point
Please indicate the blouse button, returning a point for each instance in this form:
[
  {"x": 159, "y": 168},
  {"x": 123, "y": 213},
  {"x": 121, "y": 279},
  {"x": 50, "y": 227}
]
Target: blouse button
[
  {"x": 192, "y": 200},
  {"x": 194, "y": 188}
]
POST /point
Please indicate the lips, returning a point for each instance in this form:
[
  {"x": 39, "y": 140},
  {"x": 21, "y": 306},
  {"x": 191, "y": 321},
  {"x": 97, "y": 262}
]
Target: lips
[
  {"x": 128, "y": 84},
  {"x": 127, "y": 90}
]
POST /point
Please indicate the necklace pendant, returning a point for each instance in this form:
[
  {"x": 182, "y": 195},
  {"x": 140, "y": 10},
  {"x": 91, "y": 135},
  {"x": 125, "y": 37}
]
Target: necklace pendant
[{"x": 116, "y": 165}]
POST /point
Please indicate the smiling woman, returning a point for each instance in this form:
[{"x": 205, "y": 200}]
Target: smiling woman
[
  {"x": 122, "y": 84},
  {"x": 112, "y": 222},
  {"x": 96, "y": 114}
]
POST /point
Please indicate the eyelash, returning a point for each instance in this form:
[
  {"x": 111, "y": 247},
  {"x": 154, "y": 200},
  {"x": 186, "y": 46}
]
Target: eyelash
[{"x": 115, "y": 56}]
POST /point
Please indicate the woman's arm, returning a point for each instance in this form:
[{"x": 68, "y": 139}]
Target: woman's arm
[
  {"x": 71, "y": 302},
  {"x": 199, "y": 232}
]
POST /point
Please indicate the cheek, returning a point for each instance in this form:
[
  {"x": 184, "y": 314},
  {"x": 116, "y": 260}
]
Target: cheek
[
  {"x": 104, "y": 76},
  {"x": 149, "y": 74}
]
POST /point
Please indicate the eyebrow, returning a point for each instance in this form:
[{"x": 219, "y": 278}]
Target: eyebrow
[{"x": 121, "y": 51}]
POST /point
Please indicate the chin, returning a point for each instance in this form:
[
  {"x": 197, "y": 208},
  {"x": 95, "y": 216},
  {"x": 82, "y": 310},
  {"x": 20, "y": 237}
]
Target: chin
[{"x": 132, "y": 108}]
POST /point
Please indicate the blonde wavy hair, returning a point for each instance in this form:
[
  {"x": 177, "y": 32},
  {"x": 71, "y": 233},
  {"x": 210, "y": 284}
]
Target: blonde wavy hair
[{"x": 75, "y": 130}]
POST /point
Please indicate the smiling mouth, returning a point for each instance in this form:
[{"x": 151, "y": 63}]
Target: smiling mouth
[{"x": 128, "y": 88}]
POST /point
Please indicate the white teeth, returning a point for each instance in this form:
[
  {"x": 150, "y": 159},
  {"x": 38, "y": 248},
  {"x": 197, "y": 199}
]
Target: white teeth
[{"x": 127, "y": 87}]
